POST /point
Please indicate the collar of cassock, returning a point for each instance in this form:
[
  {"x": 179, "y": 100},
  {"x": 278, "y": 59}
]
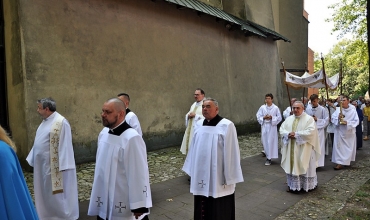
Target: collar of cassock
[
  {"x": 127, "y": 110},
  {"x": 213, "y": 122},
  {"x": 118, "y": 130}
]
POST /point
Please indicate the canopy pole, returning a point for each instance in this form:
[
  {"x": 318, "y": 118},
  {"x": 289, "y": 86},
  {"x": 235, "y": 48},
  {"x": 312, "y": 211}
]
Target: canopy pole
[
  {"x": 303, "y": 97},
  {"x": 326, "y": 85},
  {"x": 323, "y": 70},
  {"x": 304, "y": 93},
  {"x": 287, "y": 87},
  {"x": 340, "y": 76}
]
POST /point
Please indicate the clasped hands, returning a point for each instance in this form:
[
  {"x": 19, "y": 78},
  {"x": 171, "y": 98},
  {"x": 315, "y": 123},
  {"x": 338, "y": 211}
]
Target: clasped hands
[
  {"x": 267, "y": 117},
  {"x": 191, "y": 115},
  {"x": 291, "y": 135}
]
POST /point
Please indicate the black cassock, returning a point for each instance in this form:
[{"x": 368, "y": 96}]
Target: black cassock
[{"x": 209, "y": 208}]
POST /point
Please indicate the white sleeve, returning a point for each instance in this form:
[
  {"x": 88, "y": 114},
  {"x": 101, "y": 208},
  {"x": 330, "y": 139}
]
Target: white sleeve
[
  {"x": 323, "y": 121},
  {"x": 276, "y": 118},
  {"x": 135, "y": 124},
  {"x": 260, "y": 115},
  {"x": 66, "y": 154}
]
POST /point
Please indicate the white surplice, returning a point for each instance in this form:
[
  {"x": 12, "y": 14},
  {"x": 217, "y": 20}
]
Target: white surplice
[
  {"x": 213, "y": 162},
  {"x": 196, "y": 108},
  {"x": 121, "y": 179},
  {"x": 62, "y": 205},
  {"x": 344, "y": 147},
  {"x": 269, "y": 132},
  {"x": 132, "y": 119},
  {"x": 322, "y": 115},
  {"x": 286, "y": 112}
]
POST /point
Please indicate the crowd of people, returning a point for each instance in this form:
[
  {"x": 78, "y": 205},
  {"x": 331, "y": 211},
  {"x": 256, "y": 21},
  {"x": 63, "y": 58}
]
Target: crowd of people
[
  {"x": 121, "y": 188},
  {"x": 311, "y": 129}
]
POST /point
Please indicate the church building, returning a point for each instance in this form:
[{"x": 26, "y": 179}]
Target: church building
[{"x": 82, "y": 53}]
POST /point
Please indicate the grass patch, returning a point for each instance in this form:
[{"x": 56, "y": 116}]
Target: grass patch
[
  {"x": 357, "y": 207},
  {"x": 361, "y": 193}
]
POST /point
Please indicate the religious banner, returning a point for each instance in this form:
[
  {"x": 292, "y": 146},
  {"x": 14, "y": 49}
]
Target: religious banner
[{"x": 315, "y": 80}]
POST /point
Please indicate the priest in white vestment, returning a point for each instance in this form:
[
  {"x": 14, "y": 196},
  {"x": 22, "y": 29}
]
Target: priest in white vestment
[
  {"x": 300, "y": 150},
  {"x": 269, "y": 116},
  {"x": 191, "y": 118},
  {"x": 121, "y": 188},
  {"x": 54, "y": 173},
  {"x": 131, "y": 118},
  {"x": 289, "y": 111},
  {"x": 213, "y": 163},
  {"x": 344, "y": 147},
  {"x": 321, "y": 116}
]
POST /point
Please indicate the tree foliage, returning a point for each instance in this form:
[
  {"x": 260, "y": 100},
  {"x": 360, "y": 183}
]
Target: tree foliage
[
  {"x": 350, "y": 17},
  {"x": 353, "y": 55}
]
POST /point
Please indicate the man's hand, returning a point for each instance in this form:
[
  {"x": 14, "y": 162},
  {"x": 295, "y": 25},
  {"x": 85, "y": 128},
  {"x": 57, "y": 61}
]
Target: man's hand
[
  {"x": 191, "y": 115},
  {"x": 291, "y": 135},
  {"x": 314, "y": 117},
  {"x": 137, "y": 215},
  {"x": 267, "y": 117},
  {"x": 341, "y": 116}
]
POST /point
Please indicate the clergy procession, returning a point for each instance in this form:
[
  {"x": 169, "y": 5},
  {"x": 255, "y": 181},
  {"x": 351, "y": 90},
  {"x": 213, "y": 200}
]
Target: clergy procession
[{"x": 121, "y": 187}]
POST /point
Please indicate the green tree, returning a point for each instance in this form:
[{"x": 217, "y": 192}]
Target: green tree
[
  {"x": 353, "y": 55},
  {"x": 351, "y": 17},
  {"x": 317, "y": 64}
]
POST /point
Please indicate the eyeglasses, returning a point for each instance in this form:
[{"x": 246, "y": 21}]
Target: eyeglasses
[{"x": 197, "y": 94}]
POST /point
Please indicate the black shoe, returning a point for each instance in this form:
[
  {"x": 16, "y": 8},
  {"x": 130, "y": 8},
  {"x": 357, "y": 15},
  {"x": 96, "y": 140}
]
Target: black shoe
[
  {"x": 268, "y": 162},
  {"x": 263, "y": 153}
]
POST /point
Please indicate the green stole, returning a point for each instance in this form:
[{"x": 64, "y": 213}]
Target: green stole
[{"x": 292, "y": 143}]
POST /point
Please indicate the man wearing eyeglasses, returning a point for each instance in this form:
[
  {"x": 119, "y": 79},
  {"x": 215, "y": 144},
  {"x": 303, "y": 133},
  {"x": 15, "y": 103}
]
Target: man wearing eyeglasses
[
  {"x": 300, "y": 150},
  {"x": 194, "y": 115}
]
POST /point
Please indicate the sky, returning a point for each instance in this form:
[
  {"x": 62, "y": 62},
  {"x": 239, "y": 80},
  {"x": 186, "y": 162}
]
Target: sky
[{"x": 320, "y": 37}]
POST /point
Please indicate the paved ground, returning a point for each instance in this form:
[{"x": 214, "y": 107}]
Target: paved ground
[{"x": 262, "y": 196}]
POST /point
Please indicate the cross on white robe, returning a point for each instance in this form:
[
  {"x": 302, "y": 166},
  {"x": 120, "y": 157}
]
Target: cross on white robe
[
  {"x": 121, "y": 181},
  {"x": 213, "y": 162}
]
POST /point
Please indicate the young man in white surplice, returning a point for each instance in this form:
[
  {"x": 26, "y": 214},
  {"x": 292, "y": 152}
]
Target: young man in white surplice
[
  {"x": 269, "y": 117},
  {"x": 321, "y": 117}
]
